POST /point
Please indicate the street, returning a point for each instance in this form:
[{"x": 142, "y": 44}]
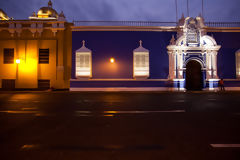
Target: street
[{"x": 66, "y": 125}]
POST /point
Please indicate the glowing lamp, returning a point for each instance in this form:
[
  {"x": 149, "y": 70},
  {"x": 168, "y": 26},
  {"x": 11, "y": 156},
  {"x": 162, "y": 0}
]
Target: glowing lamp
[
  {"x": 17, "y": 61},
  {"x": 112, "y": 60}
]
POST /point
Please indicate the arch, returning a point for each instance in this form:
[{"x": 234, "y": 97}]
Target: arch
[
  {"x": 238, "y": 51},
  {"x": 180, "y": 39},
  {"x": 194, "y": 59},
  {"x": 194, "y": 75},
  {"x": 208, "y": 40}
]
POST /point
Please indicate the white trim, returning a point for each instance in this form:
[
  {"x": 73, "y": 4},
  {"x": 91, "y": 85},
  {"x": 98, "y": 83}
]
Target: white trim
[
  {"x": 212, "y": 80},
  {"x": 175, "y": 80},
  {"x": 120, "y": 80},
  {"x": 117, "y": 89}
]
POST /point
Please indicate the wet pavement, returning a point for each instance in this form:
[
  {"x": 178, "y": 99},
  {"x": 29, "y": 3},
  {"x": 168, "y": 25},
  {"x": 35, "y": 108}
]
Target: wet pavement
[{"x": 120, "y": 125}]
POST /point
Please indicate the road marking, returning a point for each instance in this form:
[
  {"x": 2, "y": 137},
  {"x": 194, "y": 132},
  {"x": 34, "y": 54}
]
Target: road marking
[
  {"x": 29, "y": 146},
  {"x": 29, "y": 108},
  {"x": 84, "y": 115},
  {"x": 17, "y": 100},
  {"x": 225, "y": 145},
  {"x": 113, "y": 113},
  {"x": 212, "y": 99},
  {"x": 108, "y": 115},
  {"x": 13, "y": 100},
  {"x": 20, "y": 112},
  {"x": 83, "y": 112},
  {"x": 181, "y": 100},
  {"x": 142, "y": 112}
]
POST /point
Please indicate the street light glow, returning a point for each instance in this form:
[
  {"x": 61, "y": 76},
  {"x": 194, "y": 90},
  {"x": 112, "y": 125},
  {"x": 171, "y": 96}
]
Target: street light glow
[
  {"x": 17, "y": 61},
  {"x": 112, "y": 60}
]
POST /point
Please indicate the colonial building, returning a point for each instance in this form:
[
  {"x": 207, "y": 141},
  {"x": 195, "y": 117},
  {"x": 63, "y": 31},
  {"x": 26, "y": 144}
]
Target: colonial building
[
  {"x": 46, "y": 51},
  {"x": 188, "y": 55},
  {"x": 35, "y": 53}
]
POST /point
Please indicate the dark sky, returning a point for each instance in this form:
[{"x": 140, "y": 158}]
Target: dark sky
[{"x": 137, "y": 10}]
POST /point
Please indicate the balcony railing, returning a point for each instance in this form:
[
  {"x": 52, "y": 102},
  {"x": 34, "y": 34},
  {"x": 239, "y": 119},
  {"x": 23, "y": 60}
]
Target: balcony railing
[
  {"x": 123, "y": 23},
  {"x": 222, "y": 24},
  {"x": 149, "y": 23}
]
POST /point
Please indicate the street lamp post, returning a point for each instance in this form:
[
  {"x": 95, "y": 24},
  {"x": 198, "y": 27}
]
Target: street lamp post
[{"x": 17, "y": 62}]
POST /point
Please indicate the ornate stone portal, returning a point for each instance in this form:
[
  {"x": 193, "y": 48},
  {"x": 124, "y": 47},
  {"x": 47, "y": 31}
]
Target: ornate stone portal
[{"x": 193, "y": 44}]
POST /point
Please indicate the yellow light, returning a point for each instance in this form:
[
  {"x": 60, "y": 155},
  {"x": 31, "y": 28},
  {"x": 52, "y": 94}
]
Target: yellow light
[
  {"x": 112, "y": 60},
  {"x": 17, "y": 61}
]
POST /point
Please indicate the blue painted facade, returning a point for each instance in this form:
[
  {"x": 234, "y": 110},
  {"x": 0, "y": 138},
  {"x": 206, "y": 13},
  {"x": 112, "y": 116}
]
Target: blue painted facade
[
  {"x": 230, "y": 43},
  {"x": 120, "y": 45}
]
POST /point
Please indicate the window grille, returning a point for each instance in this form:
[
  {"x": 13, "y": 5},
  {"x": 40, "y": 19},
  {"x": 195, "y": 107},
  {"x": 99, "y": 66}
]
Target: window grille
[
  {"x": 8, "y": 56},
  {"x": 83, "y": 64},
  {"x": 43, "y": 56},
  {"x": 141, "y": 64},
  {"x": 8, "y": 84},
  {"x": 43, "y": 84}
]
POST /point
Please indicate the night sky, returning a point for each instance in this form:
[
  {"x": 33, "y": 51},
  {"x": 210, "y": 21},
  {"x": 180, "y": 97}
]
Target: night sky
[{"x": 136, "y": 10}]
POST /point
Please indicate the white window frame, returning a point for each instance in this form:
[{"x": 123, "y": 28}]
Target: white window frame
[
  {"x": 140, "y": 68},
  {"x": 84, "y": 69},
  {"x": 237, "y": 57}
]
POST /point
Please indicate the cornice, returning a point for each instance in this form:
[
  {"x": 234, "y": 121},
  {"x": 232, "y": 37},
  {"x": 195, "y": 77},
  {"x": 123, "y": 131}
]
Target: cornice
[{"x": 123, "y": 28}]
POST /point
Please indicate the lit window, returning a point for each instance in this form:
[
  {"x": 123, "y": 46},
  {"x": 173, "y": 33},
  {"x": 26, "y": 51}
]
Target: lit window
[
  {"x": 238, "y": 63},
  {"x": 141, "y": 62},
  {"x": 43, "y": 56},
  {"x": 83, "y": 62},
  {"x": 8, "y": 56}
]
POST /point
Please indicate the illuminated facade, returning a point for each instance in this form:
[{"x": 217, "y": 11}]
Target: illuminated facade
[
  {"x": 46, "y": 51},
  {"x": 193, "y": 44},
  {"x": 34, "y": 53},
  {"x": 188, "y": 56}
]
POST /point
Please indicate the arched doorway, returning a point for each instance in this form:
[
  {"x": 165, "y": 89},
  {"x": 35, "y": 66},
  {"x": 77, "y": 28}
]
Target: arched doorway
[{"x": 194, "y": 77}]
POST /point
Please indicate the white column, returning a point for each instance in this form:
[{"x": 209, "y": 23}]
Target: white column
[
  {"x": 208, "y": 65},
  {"x": 179, "y": 64},
  {"x": 172, "y": 64},
  {"x": 214, "y": 64}
]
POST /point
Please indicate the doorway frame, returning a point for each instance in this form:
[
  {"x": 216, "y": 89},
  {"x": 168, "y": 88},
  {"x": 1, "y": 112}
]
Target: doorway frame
[
  {"x": 181, "y": 51},
  {"x": 203, "y": 71}
]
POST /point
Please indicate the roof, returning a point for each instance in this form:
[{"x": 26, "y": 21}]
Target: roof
[
  {"x": 48, "y": 10},
  {"x": 140, "y": 48},
  {"x": 83, "y": 48},
  {"x": 3, "y": 15}
]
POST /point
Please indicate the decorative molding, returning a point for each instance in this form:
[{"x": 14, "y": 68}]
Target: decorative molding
[
  {"x": 193, "y": 44},
  {"x": 35, "y": 26}
]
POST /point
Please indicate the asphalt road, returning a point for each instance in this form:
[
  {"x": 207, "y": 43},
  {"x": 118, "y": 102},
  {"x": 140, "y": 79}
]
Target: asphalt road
[{"x": 120, "y": 126}]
